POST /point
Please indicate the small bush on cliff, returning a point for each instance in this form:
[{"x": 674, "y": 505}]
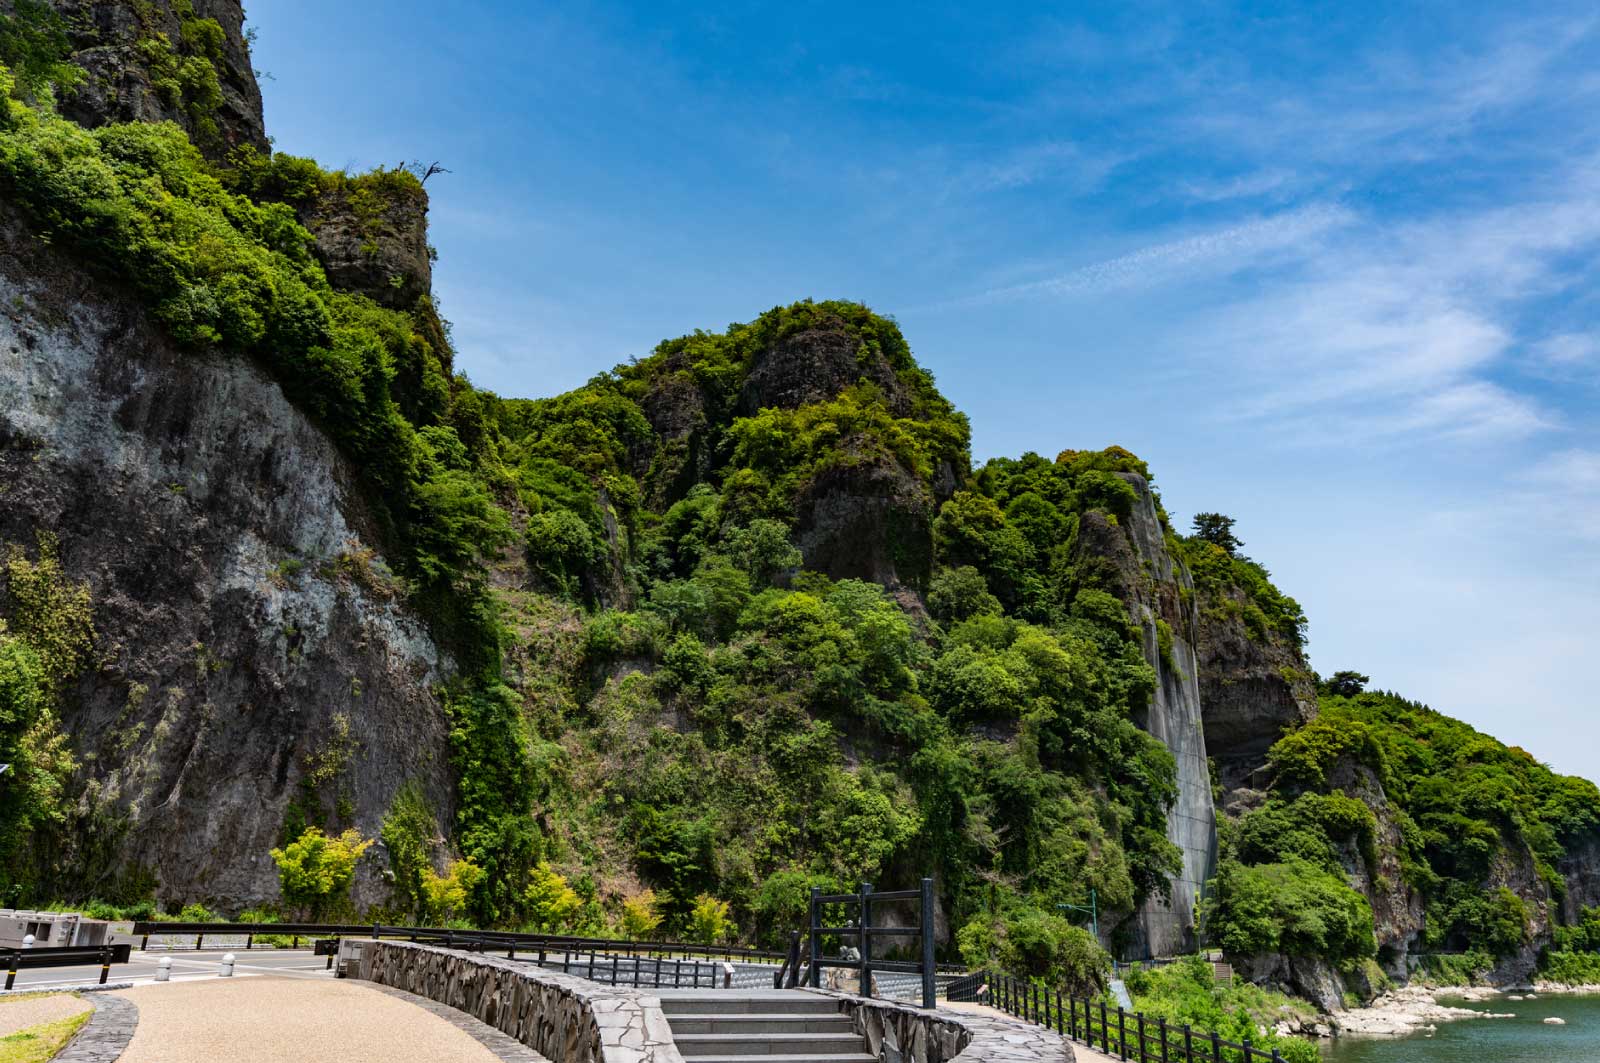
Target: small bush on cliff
[{"x": 315, "y": 871}]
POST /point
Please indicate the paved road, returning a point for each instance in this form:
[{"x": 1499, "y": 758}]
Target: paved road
[{"x": 284, "y": 963}]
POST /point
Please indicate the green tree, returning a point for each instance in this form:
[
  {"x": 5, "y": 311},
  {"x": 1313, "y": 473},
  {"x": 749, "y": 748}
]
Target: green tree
[
  {"x": 34, "y": 44},
  {"x": 1217, "y": 529},
  {"x": 446, "y": 895},
  {"x": 553, "y": 906},
  {"x": 315, "y": 871},
  {"x": 640, "y": 915},
  {"x": 709, "y": 920}
]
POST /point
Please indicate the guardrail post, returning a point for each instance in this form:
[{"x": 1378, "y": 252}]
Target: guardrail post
[
  {"x": 144, "y": 943},
  {"x": 13, "y": 961},
  {"x": 866, "y": 939},
  {"x": 105, "y": 965},
  {"x": 814, "y": 933},
  {"x": 928, "y": 986},
  {"x": 197, "y": 939},
  {"x": 249, "y": 942}
]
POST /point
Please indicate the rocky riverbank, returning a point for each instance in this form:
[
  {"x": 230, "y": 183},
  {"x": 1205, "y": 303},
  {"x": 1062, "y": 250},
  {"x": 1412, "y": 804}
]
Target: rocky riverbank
[{"x": 1413, "y": 1008}]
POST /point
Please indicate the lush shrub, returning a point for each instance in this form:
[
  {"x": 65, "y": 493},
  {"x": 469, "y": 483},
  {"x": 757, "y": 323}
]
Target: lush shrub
[
  {"x": 315, "y": 871},
  {"x": 1294, "y": 908},
  {"x": 1186, "y": 993}
]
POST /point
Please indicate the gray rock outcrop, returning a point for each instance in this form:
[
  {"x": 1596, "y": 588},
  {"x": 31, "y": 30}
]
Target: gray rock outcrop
[{"x": 251, "y": 651}]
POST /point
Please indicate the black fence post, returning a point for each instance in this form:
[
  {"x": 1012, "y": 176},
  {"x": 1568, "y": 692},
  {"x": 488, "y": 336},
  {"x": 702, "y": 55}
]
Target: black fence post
[
  {"x": 866, "y": 939},
  {"x": 1122, "y": 1032},
  {"x": 197, "y": 939},
  {"x": 105, "y": 965},
  {"x": 1141, "y": 1038},
  {"x": 928, "y": 988},
  {"x": 1188, "y": 1044},
  {"x": 814, "y": 932},
  {"x": 1162, "y": 1027},
  {"x": 1247, "y": 1049},
  {"x": 1105, "y": 1029},
  {"x": 1061, "y": 1020}
]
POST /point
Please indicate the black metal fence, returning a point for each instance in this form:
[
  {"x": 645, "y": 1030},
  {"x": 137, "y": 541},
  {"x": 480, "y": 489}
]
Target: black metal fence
[
  {"x": 68, "y": 956},
  {"x": 864, "y": 932},
  {"x": 1115, "y": 1032}
]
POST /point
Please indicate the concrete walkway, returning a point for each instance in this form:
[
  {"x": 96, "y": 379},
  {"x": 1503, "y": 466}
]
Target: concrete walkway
[
  {"x": 1079, "y": 1052},
  {"x": 270, "y": 1020}
]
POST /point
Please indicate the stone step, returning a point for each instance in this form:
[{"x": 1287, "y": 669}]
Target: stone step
[
  {"x": 693, "y": 1046},
  {"x": 745, "y": 1001},
  {"x": 812, "y": 1057},
  {"x": 754, "y": 1022}
]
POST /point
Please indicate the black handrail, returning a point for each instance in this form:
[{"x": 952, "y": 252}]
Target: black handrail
[{"x": 1075, "y": 1018}]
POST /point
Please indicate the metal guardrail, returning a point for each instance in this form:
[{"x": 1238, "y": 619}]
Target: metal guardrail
[
  {"x": 68, "y": 956},
  {"x": 1128, "y": 1036},
  {"x": 497, "y": 938}
]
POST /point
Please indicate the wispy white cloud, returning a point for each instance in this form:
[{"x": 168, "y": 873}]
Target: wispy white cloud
[
  {"x": 1253, "y": 185},
  {"x": 1231, "y": 247}
]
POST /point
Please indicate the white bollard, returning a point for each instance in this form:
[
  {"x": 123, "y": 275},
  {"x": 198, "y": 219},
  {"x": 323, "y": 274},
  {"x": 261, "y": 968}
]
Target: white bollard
[
  {"x": 226, "y": 970},
  {"x": 27, "y": 941},
  {"x": 164, "y": 969}
]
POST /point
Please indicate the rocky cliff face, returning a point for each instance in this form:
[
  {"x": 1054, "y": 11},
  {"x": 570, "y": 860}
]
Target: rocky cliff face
[
  {"x": 185, "y": 61},
  {"x": 252, "y": 655},
  {"x": 1160, "y": 595},
  {"x": 1252, "y": 688}
]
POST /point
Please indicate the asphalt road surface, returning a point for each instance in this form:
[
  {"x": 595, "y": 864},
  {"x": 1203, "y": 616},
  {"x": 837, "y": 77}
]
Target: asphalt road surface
[{"x": 285, "y": 963}]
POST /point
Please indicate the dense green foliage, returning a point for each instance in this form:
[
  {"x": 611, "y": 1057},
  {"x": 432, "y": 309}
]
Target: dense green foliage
[
  {"x": 1463, "y": 809},
  {"x": 1187, "y": 993},
  {"x": 47, "y": 641},
  {"x": 665, "y": 720}
]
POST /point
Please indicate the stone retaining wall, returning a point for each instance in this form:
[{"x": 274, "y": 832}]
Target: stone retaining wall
[
  {"x": 564, "y": 1019},
  {"x": 901, "y": 1033}
]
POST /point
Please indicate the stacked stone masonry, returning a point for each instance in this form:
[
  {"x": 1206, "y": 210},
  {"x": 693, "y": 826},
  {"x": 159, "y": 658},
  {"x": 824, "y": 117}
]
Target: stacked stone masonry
[
  {"x": 901, "y": 1033},
  {"x": 573, "y": 1020},
  {"x": 564, "y": 1019}
]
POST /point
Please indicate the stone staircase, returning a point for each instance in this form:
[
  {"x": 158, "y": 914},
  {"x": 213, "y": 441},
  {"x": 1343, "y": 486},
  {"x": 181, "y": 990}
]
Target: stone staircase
[{"x": 761, "y": 1026}]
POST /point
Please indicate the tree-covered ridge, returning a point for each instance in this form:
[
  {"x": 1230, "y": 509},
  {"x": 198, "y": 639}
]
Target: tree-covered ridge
[{"x": 1476, "y": 828}]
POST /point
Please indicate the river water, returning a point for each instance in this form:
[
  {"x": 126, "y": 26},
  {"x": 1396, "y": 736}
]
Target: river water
[{"x": 1524, "y": 1039}]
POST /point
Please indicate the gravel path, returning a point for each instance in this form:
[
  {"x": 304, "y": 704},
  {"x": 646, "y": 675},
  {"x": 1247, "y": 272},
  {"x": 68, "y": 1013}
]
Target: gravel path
[
  {"x": 23, "y": 1012},
  {"x": 270, "y": 1020}
]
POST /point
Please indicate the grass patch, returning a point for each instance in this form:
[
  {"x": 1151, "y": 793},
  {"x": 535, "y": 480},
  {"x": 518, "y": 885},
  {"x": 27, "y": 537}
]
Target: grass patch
[{"x": 41, "y": 1042}]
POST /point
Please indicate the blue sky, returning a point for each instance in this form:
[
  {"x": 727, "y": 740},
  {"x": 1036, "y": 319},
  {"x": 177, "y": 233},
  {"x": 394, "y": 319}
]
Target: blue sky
[{"x": 1330, "y": 271}]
